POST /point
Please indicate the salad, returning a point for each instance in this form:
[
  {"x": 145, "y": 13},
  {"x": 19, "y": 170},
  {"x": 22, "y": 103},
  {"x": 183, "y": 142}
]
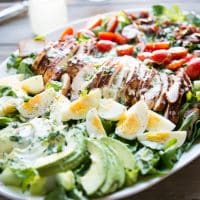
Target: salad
[{"x": 102, "y": 107}]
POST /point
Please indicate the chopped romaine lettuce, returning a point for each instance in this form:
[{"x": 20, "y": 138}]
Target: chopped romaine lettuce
[
  {"x": 27, "y": 176},
  {"x": 4, "y": 121},
  {"x": 147, "y": 160},
  {"x": 169, "y": 157},
  {"x": 58, "y": 193},
  {"x": 7, "y": 91},
  {"x": 14, "y": 62},
  {"x": 56, "y": 85},
  {"x": 174, "y": 13},
  {"x": 22, "y": 66},
  {"x": 193, "y": 18}
]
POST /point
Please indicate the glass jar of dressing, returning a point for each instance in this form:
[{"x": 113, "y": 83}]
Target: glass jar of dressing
[{"x": 47, "y": 15}]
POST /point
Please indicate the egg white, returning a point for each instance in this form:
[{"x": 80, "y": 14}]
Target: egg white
[
  {"x": 79, "y": 108},
  {"x": 94, "y": 125},
  {"x": 109, "y": 109},
  {"x": 38, "y": 104},
  {"x": 157, "y": 122},
  {"x": 133, "y": 122},
  {"x": 159, "y": 139},
  {"x": 33, "y": 85},
  {"x": 8, "y": 105},
  {"x": 59, "y": 107}
]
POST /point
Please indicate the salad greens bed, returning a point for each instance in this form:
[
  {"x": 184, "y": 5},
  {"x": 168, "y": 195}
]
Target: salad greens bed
[{"x": 46, "y": 149}]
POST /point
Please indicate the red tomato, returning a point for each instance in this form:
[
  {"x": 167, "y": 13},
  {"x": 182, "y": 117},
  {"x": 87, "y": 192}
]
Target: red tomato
[
  {"x": 143, "y": 55},
  {"x": 178, "y": 52},
  {"x": 193, "y": 68},
  {"x": 159, "y": 56},
  {"x": 144, "y": 14},
  {"x": 188, "y": 57},
  {"x": 175, "y": 64},
  {"x": 67, "y": 32},
  {"x": 104, "y": 45},
  {"x": 156, "y": 46},
  {"x": 124, "y": 50},
  {"x": 96, "y": 21},
  {"x": 106, "y": 36},
  {"x": 112, "y": 24},
  {"x": 120, "y": 39}
]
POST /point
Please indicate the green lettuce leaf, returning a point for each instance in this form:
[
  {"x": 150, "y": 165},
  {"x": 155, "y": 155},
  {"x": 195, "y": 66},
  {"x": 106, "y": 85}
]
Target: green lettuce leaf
[{"x": 147, "y": 161}]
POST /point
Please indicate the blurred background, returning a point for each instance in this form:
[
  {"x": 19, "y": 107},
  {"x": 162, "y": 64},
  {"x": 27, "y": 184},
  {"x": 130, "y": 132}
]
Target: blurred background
[{"x": 182, "y": 186}]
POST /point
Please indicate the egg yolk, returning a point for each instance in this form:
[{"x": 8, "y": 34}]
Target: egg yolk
[
  {"x": 129, "y": 124},
  {"x": 78, "y": 107},
  {"x": 8, "y": 108},
  {"x": 26, "y": 88},
  {"x": 32, "y": 103},
  {"x": 97, "y": 124},
  {"x": 153, "y": 120},
  {"x": 157, "y": 137}
]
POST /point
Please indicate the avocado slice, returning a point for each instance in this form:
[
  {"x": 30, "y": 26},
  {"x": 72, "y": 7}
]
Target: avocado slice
[
  {"x": 116, "y": 173},
  {"x": 122, "y": 151},
  {"x": 68, "y": 159},
  {"x": 96, "y": 175},
  {"x": 66, "y": 179},
  {"x": 9, "y": 178}
]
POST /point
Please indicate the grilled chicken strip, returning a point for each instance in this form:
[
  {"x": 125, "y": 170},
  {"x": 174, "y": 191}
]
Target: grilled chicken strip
[
  {"x": 123, "y": 78},
  {"x": 160, "y": 91},
  {"x": 52, "y": 62}
]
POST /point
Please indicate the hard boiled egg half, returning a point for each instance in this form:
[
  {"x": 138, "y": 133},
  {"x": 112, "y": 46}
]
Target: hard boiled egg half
[
  {"x": 38, "y": 104},
  {"x": 133, "y": 122},
  {"x": 161, "y": 139},
  {"x": 14, "y": 81},
  {"x": 109, "y": 109},
  {"x": 94, "y": 125},
  {"x": 58, "y": 108},
  {"x": 157, "y": 122},
  {"x": 8, "y": 105},
  {"x": 33, "y": 85},
  {"x": 79, "y": 108}
]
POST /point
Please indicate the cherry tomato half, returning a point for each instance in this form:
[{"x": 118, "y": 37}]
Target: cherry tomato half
[
  {"x": 193, "y": 68},
  {"x": 124, "y": 50},
  {"x": 104, "y": 45}
]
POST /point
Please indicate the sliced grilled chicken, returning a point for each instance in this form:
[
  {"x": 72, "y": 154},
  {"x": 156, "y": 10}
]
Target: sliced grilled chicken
[
  {"x": 51, "y": 62},
  {"x": 173, "y": 109},
  {"x": 174, "y": 89},
  {"x": 66, "y": 84},
  {"x": 87, "y": 48},
  {"x": 161, "y": 102},
  {"x": 81, "y": 80},
  {"x": 80, "y": 59},
  {"x": 153, "y": 93},
  {"x": 145, "y": 84},
  {"x": 119, "y": 82},
  {"x": 132, "y": 82}
]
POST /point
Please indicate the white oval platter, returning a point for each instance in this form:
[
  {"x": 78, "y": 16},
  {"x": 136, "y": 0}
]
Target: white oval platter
[{"x": 187, "y": 157}]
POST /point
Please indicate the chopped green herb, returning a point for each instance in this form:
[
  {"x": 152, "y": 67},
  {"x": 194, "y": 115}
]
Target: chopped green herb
[
  {"x": 39, "y": 38},
  {"x": 84, "y": 92}
]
